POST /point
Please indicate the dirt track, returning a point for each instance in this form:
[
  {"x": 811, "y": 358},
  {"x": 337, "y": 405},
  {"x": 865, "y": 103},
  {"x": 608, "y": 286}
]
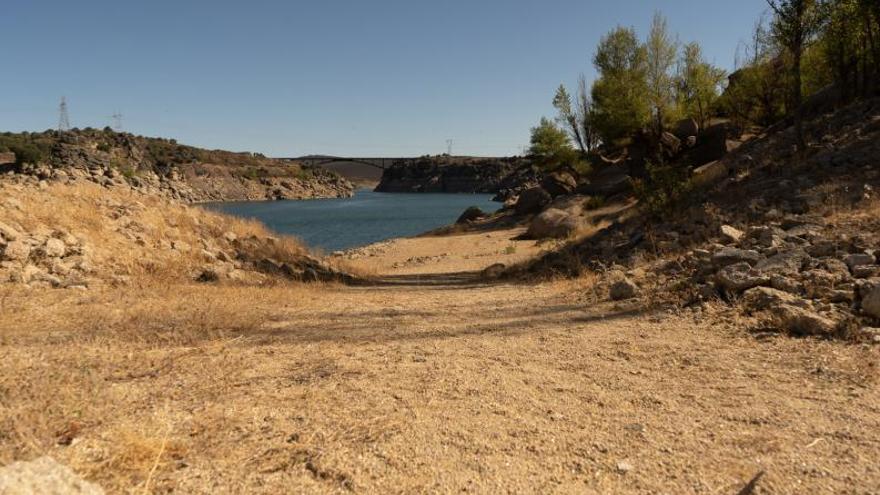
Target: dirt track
[{"x": 436, "y": 383}]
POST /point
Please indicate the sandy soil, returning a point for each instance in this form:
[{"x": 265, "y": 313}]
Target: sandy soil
[{"x": 433, "y": 383}]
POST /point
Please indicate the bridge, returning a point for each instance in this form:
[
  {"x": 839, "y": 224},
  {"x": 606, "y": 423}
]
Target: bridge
[{"x": 380, "y": 163}]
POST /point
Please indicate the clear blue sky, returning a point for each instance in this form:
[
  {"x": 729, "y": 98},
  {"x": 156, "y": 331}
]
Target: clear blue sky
[{"x": 353, "y": 77}]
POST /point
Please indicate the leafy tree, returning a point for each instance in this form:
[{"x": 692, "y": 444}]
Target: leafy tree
[
  {"x": 568, "y": 116},
  {"x": 850, "y": 45},
  {"x": 585, "y": 116},
  {"x": 660, "y": 54},
  {"x": 620, "y": 104},
  {"x": 551, "y": 147},
  {"x": 756, "y": 92},
  {"x": 577, "y": 116},
  {"x": 699, "y": 84},
  {"x": 794, "y": 25}
]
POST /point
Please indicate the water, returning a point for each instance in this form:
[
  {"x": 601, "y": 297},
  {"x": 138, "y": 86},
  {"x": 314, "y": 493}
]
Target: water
[{"x": 368, "y": 217}]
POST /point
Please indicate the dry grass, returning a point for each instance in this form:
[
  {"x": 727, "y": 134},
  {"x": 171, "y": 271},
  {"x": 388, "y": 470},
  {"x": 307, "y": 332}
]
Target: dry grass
[
  {"x": 418, "y": 389},
  {"x": 167, "y": 386},
  {"x": 140, "y": 237}
]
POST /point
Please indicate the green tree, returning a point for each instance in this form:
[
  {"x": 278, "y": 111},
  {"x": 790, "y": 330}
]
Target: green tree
[
  {"x": 756, "y": 91},
  {"x": 660, "y": 55},
  {"x": 850, "y": 45},
  {"x": 551, "y": 147},
  {"x": 577, "y": 116},
  {"x": 699, "y": 84},
  {"x": 796, "y": 22},
  {"x": 585, "y": 115},
  {"x": 568, "y": 116},
  {"x": 620, "y": 104}
]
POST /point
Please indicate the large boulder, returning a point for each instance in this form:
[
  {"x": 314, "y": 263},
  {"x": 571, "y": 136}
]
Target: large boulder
[
  {"x": 713, "y": 144},
  {"x": 686, "y": 128},
  {"x": 710, "y": 173},
  {"x": 532, "y": 200},
  {"x": 607, "y": 181},
  {"x": 559, "y": 183},
  {"x": 552, "y": 224}
]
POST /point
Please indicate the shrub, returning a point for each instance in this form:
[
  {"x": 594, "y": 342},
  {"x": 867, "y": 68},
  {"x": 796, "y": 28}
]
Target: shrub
[{"x": 663, "y": 189}]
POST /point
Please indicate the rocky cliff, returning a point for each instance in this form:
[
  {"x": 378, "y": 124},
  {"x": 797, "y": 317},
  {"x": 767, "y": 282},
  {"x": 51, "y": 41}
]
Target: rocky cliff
[
  {"x": 444, "y": 174},
  {"x": 164, "y": 167}
]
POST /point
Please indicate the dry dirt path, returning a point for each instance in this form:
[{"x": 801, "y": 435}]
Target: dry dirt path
[{"x": 437, "y": 384}]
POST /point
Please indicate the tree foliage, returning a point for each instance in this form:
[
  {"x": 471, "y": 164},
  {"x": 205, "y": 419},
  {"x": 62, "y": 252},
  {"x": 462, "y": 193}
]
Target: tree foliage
[
  {"x": 660, "y": 55},
  {"x": 698, "y": 84},
  {"x": 620, "y": 103},
  {"x": 551, "y": 147}
]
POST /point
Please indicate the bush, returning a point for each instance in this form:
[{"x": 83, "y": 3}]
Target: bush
[
  {"x": 664, "y": 188},
  {"x": 27, "y": 149}
]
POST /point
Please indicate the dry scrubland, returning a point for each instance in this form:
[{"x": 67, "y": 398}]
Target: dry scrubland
[{"x": 430, "y": 381}]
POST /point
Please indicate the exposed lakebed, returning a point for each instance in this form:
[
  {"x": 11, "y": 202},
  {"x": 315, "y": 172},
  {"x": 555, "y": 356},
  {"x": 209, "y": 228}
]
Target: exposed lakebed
[{"x": 368, "y": 217}]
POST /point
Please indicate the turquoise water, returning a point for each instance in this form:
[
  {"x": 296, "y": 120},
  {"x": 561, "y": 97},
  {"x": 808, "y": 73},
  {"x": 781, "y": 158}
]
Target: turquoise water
[{"x": 368, "y": 217}]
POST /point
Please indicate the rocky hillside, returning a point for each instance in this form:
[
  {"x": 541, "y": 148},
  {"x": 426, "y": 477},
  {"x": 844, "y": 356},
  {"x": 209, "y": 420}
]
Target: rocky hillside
[
  {"x": 161, "y": 166},
  {"x": 790, "y": 241},
  {"x": 448, "y": 175},
  {"x": 79, "y": 236}
]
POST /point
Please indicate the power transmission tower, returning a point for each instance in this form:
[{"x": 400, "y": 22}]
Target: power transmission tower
[
  {"x": 449, "y": 147},
  {"x": 117, "y": 121},
  {"x": 63, "y": 117}
]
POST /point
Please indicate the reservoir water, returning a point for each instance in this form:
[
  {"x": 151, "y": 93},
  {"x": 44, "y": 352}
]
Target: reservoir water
[{"x": 368, "y": 217}]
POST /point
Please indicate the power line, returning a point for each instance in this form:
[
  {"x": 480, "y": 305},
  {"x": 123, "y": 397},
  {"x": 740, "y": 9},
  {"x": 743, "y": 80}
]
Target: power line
[{"x": 63, "y": 116}]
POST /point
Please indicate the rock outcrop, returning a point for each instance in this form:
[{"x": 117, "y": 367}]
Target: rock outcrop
[
  {"x": 447, "y": 175},
  {"x": 163, "y": 167}
]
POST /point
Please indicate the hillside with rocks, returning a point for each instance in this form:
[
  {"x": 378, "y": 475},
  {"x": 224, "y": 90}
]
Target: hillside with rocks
[
  {"x": 787, "y": 238},
  {"x": 85, "y": 235},
  {"x": 160, "y": 166},
  {"x": 443, "y": 174}
]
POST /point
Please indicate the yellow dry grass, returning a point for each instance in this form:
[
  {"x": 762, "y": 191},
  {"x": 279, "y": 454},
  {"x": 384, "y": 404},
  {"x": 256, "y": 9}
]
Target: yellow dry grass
[{"x": 132, "y": 235}]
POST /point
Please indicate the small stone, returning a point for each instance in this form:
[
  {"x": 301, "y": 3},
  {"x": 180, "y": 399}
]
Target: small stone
[
  {"x": 865, "y": 271},
  {"x": 858, "y": 259},
  {"x": 730, "y": 234},
  {"x": 8, "y": 233},
  {"x": 624, "y": 467},
  {"x": 230, "y": 236},
  {"x": 871, "y": 300},
  {"x": 740, "y": 277},
  {"x": 802, "y": 321},
  {"x": 17, "y": 251},
  {"x": 55, "y": 248},
  {"x": 729, "y": 256},
  {"x": 623, "y": 289},
  {"x": 761, "y": 298}
]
